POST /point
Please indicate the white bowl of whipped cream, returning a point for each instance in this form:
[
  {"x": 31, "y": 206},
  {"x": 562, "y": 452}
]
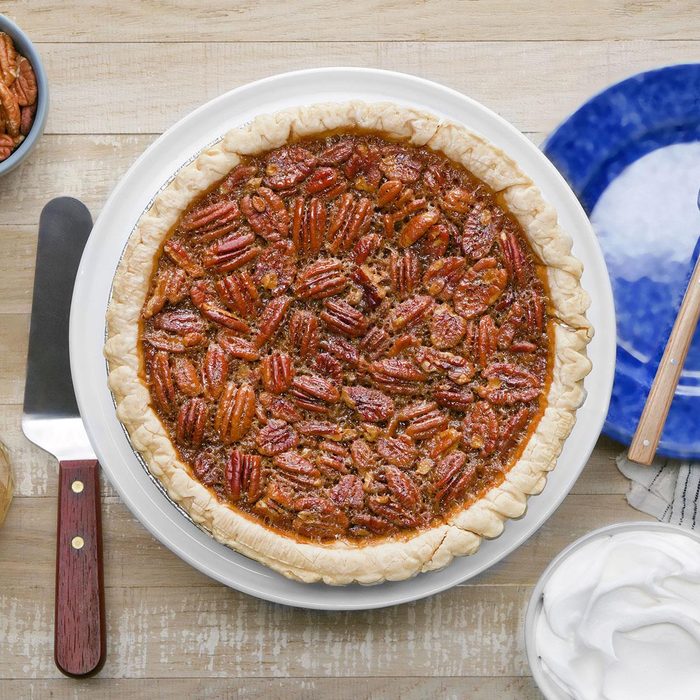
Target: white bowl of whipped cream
[{"x": 616, "y": 616}]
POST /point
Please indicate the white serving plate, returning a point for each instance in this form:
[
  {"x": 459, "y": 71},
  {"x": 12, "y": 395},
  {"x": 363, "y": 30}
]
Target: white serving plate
[{"x": 132, "y": 196}]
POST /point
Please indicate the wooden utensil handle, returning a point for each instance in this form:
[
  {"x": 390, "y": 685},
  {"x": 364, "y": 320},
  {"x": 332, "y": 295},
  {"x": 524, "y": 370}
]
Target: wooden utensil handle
[
  {"x": 648, "y": 433},
  {"x": 79, "y": 634}
]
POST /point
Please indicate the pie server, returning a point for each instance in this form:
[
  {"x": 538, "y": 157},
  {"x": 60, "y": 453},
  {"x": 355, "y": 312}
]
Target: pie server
[{"x": 51, "y": 420}]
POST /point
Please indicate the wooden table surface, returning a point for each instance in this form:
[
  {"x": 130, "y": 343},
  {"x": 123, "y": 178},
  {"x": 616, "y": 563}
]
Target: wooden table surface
[{"x": 120, "y": 74}]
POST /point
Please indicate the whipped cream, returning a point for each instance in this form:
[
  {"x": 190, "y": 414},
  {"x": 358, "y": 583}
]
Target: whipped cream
[{"x": 621, "y": 619}]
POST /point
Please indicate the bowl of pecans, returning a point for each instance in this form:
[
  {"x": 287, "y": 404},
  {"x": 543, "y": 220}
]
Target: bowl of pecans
[{"x": 24, "y": 96}]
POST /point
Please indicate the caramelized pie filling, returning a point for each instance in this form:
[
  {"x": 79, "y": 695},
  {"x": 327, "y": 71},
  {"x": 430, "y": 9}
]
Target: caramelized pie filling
[{"x": 348, "y": 337}]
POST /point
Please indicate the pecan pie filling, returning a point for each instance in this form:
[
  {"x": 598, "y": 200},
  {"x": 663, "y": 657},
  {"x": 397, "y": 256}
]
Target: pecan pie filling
[{"x": 348, "y": 338}]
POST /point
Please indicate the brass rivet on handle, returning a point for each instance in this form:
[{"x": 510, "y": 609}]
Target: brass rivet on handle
[
  {"x": 77, "y": 486},
  {"x": 77, "y": 542}
]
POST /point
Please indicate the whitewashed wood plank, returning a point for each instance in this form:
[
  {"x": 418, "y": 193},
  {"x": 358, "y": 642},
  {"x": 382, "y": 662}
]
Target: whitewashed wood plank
[
  {"x": 215, "y": 632},
  {"x": 503, "y": 688},
  {"x": 315, "y": 20},
  {"x": 96, "y": 88}
]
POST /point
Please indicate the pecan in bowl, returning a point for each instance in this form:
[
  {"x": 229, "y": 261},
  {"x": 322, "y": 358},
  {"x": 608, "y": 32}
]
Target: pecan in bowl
[{"x": 23, "y": 96}]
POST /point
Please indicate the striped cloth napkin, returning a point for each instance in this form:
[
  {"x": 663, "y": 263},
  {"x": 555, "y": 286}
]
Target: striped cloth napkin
[{"x": 668, "y": 489}]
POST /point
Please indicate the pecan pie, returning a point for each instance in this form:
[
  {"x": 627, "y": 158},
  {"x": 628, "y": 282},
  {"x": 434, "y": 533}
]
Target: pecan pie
[{"x": 349, "y": 340}]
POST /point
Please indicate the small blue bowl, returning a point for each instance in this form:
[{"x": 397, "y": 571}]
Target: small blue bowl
[{"x": 26, "y": 49}]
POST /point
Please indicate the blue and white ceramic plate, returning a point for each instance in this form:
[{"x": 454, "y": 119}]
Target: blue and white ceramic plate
[{"x": 632, "y": 156}]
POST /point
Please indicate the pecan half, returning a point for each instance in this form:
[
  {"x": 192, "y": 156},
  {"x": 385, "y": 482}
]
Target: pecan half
[
  {"x": 451, "y": 397},
  {"x": 180, "y": 321},
  {"x": 239, "y": 293},
  {"x": 365, "y": 248},
  {"x": 396, "y": 376},
  {"x": 308, "y": 225},
  {"x": 348, "y": 492},
  {"x": 319, "y": 517},
  {"x": 404, "y": 271},
  {"x": 170, "y": 287},
  {"x": 214, "y": 371},
  {"x": 349, "y": 219},
  {"x": 375, "y": 343},
  {"x": 276, "y": 267},
  {"x": 453, "y": 478},
  {"x": 288, "y": 166},
  {"x": 244, "y": 476},
  {"x": 423, "y": 418},
  {"x": 417, "y": 227},
  {"x": 192, "y": 421},
  {"x": 342, "y": 318},
  {"x": 297, "y": 469},
  {"x": 186, "y": 377},
  {"x": 162, "y": 381},
  {"x": 479, "y": 233},
  {"x": 313, "y": 392},
  {"x": 303, "y": 333},
  {"x": 211, "y": 221},
  {"x": 230, "y": 253},
  {"x": 276, "y": 437},
  {"x": 271, "y": 319},
  {"x": 363, "y": 457},
  {"x": 372, "y": 405},
  {"x": 25, "y": 88},
  {"x": 276, "y": 372},
  {"x": 319, "y": 428},
  {"x": 280, "y": 408},
  {"x": 237, "y": 347},
  {"x": 321, "y": 279},
  {"x": 235, "y": 412},
  {"x": 328, "y": 366},
  {"x": 516, "y": 262},
  {"x": 401, "y": 486}
]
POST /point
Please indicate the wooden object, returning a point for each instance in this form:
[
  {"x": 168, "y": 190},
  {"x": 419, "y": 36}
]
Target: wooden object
[
  {"x": 646, "y": 437},
  {"x": 6, "y": 483},
  {"x": 79, "y": 632}
]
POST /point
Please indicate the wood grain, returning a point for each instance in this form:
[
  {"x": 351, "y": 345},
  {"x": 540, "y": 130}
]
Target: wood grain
[
  {"x": 96, "y": 90},
  {"x": 316, "y": 20},
  {"x": 79, "y": 611},
  {"x": 503, "y": 688},
  {"x": 178, "y": 632}
]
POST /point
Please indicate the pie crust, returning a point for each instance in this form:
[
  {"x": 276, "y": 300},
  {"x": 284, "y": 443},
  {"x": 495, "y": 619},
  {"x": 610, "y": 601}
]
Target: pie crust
[{"x": 342, "y": 561}]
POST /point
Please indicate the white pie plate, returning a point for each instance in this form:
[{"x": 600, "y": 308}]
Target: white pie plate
[{"x": 132, "y": 196}]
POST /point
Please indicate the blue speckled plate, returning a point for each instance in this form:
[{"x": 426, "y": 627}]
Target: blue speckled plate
[{"x": 632, "y": 155}]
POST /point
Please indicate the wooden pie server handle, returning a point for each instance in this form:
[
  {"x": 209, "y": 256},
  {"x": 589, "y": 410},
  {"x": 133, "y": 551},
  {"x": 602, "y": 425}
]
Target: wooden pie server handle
[
  {"x": 648, "y": 433},
  {"x": 79, "y": 633}
]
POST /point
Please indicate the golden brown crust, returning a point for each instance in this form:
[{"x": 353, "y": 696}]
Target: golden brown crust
[{"x": 394, "y": 558}]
